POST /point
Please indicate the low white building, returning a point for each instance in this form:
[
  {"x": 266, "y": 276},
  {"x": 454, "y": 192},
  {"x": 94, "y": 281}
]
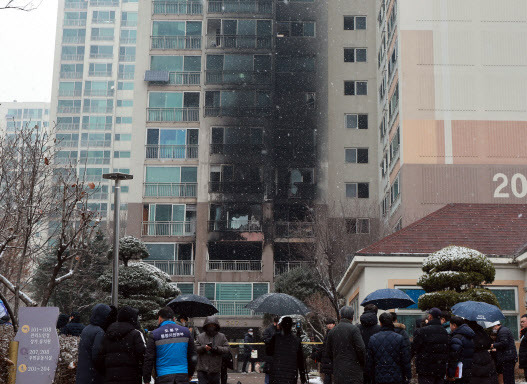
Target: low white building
[{"x": 497, "y": 230}]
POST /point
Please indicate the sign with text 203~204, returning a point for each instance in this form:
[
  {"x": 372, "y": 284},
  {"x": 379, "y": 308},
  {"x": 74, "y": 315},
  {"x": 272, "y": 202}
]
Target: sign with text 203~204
[{"x": 38, "y": 345}]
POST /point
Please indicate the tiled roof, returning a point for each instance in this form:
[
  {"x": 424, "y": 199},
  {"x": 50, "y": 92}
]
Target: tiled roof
[{"x": 493, "y": 229}]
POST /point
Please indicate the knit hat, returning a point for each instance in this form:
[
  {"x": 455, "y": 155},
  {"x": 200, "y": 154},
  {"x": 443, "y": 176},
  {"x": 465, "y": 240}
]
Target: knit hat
[{"x": 128, "y": 315}]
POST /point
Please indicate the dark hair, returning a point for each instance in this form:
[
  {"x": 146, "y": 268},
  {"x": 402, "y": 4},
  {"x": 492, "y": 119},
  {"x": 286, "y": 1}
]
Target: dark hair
[
  {"x": 184, "y": 317},
  {"x": 286, "y": 324},
  {"x": 276, "y": 319},
  {"x": 386, "y": 319},
  {"x": 456, "y": 320},
  {"x": 394, "y": 316},
  {"x": 371, "y": 308},
  {"x": 524, "y": 315},
  {"x": 445, "y": 315},
  {"x": 329, "y": 320},
  {"x": 166, "y": 313}
]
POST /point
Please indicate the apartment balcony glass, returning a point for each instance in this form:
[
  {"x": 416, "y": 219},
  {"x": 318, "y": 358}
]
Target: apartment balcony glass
[
  {"x": 126, "y": 58},
  {"x": 96, "y": 143},
  {"x": 68, "y": 109},
  {"x": 128, "y": 23},
  {"x": 100, "y": 73},
  {"x": 176, "y": 42},
  {"x": 71, "y": 75},
  {"x": 70, "y": 92},
  {"x": 241, "y": 225},
  {"x": 238, "y": 77},
  {"x": 103, "y": 21},
  {"x": 74, "y": 22},
  {"x": 295, "y": 229},
  {"x": 104, "y": 3},
  {"x": 169, "y": 228},
  {"x": 234, "y": 265},
  {"x": 174, "y": 267},
  {"x": 170, "y": 189},
  {"x": 72, "y": 57},
  {"x": 240, "y": 6},
  {"x": 102, "y": 38},
  {"x": 281, "y": 267},
  {"x": 98, "y": 92},
  {"x": 97, "y": 126},
  {"x": 172, "y": 114},
  {"x": 67, "y": 144},
  {"x": 232, "y": 308},
  {"x": 156, "y": 151},
  {"x": 68, "y": 126},
  {"x": 239, "y": 42},
  {"x": 125, "y": 75},
  {"x": 177, "y": 7},
  {"x": 128, "y": 40},
  {"x": 68, "y": 5},
  {"x": 97, "y": 109},
  {"x": 73, "y": 39},
  {"x": 184, "y": 78}
]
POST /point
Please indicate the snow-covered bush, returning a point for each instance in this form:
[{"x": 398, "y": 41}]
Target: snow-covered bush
[
  {"x": 144, "y": 287},
  {"x": 453, "y": 275},
  {"x": 130, "y": 248}
]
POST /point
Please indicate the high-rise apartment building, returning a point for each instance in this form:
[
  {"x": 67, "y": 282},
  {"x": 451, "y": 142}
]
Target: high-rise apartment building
[
  {"x": 92, "y": 94},
  {"x": 452, "y": 112},
  {"x": 15, "y": 115}
]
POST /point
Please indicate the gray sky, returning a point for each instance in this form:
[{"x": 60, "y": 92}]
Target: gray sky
[{"x": 27, "y": 44}]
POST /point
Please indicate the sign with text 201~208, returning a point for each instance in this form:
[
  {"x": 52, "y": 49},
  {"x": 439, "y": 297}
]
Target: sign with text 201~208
[{"x": 38, "y": 345}]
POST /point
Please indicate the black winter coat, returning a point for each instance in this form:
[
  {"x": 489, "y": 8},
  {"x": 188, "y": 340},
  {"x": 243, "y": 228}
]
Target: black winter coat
[
  {"x": 89, "y": 345},
  {"x": 483, "y": 368},
  {"x": 461, "y": 350},
  {"x": 74, "y": 327},
  {"x": 121, "y": 355},
  {"x": 522, "y": 356},
  {"x": 288, "y": 359},
  {"x": 268, "y": 334},
  {"x": 321, "y": 355},
  {"x": 430, "y": 348},
  {"x": 347, "y": 352},
  {"x": 389, "y": 358},
  {"x": 401, "y": 330},
  {"x": 369, "y": 326},
  {"x": 247, "y": 349},
  {"x": 505, "y": 346}
]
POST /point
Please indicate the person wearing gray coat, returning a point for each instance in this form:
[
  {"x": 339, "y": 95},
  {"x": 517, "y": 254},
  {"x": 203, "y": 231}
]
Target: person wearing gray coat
[
  {"x": 346, "y": 350},
  {"x": 90, "y": 344},
  {"x": 211, "y": 345}
]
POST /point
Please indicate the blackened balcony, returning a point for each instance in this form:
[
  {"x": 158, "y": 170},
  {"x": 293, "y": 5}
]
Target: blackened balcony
[
  {"x": 173, "y": 114},
  {"x": 239, "y": 42},
  {"x": 177, "y": 7},
  {"x": 298, "y": 230},
  {"x": 238, "y": 77},
  {"x": 236, "y": 149},
  {"x": 176, "y": 42},
  {"x": 170, "y": 189},
  {"x": 169, "y": 228},
  {"x": 234, "y": 266},
  {"x": 174, "y": 267},
  {"x": 155, "y": 151},
  {"x": 241, "y": 6},
  {"x": 238, "y": 187},
  {"x": 238, "y": 111},
  {"x": 235, "y": 226}
]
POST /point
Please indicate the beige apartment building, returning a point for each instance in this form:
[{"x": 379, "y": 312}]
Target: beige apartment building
[{"x": 452, "y": 115}]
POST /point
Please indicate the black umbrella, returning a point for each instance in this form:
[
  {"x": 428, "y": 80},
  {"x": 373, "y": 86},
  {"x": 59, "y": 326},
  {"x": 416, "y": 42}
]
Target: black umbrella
[
  {"x": 192, "y": 306},
  {"x": 388, "y": 298},
  {"x": 278, "y": 304}
]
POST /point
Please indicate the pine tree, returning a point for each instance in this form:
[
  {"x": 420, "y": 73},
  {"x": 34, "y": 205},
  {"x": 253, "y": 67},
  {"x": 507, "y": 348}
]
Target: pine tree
[
  {"x": 299, "y": 282},
  {"x": 130, "y": 248},
  {"x": 454, "y": 275}
]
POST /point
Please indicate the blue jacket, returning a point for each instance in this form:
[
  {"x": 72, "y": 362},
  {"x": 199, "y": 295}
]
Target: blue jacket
[
  {"x": 388, "y": 357},
  {"x": 461, "y": 349},
  {"x": 170, "y": 349}
]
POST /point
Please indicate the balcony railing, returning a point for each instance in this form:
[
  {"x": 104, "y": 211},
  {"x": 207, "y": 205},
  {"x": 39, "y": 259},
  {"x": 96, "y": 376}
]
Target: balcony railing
[
  {"x": 96, "y": 143},
  {"x": 243, "y": 6},
  {"x": 125, "y": 75},
  {"x": 237, "y": 111},
  {"x": 95, "y": 160},
  {"x": 76, "y": 5},
  {"x": 126, "y": 58},
  {"x": 184, "y": 78},
  {"x": 233, "y": 308},
  {"x": 295, "y": 230},
  {"x": 74, "y": 22},
  {"x": 236, "y": 149},
  {"x": 100, "y": 73},
  {"x": 174, "y": 267},
  {"x": 238, "y": 77},
  {"x": 154, "y": 151},
  {"x": 103, "y": 21},
  {"x": 69, "y": 110},
  {"x": 177, "y": 7},
  {"x": 68, "y": 127},
  {"x": 170, "y": 189},
  {"x": 234, "y": 265},
  {"x": 176, "y": 42},
  {"x": 173, "y": 114},
  {"x": 281, "y": 267},
  {"x": 104, "y": 3},
  {"x": 73, "y": 57},
  {"x": 128, "y": 23},
  {"x": 98, "y": 92},
  {"x": 239, "y": 41},
  {"x": 235, "y": 226},
  {"x": 169, "y": 228},
  {"x": 68, "y": 144},
  {"x": 73, "y": 39},
  {"x": 97, "y": 127},
  {"x": 101, "y": 55},
  {"x": 70, "y": 92},
  {"x": 71, "y": 75},
  {"x": 235, "y": 187},
  {"x": 128, "y": 40},
  {"x": 102, "y": 38},
  {"x": 96, "y": 109}
]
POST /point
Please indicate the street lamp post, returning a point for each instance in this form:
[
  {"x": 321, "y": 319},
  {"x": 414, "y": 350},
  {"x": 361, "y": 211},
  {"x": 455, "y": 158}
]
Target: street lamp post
[{"x": 116, "y": 208}]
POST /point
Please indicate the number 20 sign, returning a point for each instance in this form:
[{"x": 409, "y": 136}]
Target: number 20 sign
[{"x": 518, "y": 185}]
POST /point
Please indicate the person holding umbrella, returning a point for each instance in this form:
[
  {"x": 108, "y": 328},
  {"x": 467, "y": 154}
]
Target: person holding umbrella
[{"x": 506, "y": 355}]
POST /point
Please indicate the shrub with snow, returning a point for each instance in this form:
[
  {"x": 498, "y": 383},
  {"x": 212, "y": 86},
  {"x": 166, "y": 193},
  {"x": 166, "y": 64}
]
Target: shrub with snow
[
  {"x": 456, "y": 274},
  {"x": 130, "y": 248}
]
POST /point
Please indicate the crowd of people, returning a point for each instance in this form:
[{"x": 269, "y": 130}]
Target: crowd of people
[{"x": 445, "y": 348}]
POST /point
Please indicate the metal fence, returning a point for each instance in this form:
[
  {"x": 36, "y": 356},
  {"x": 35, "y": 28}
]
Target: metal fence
[
  {"x": 234, "y": 265},
  {"x": 174, "y": 267},
  {"x": 170, "y": 189}
]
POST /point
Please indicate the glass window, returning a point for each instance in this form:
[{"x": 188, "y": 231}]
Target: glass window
[
  {"x": 506, "y": 298},
  {"x": 161, "y": 251}
]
